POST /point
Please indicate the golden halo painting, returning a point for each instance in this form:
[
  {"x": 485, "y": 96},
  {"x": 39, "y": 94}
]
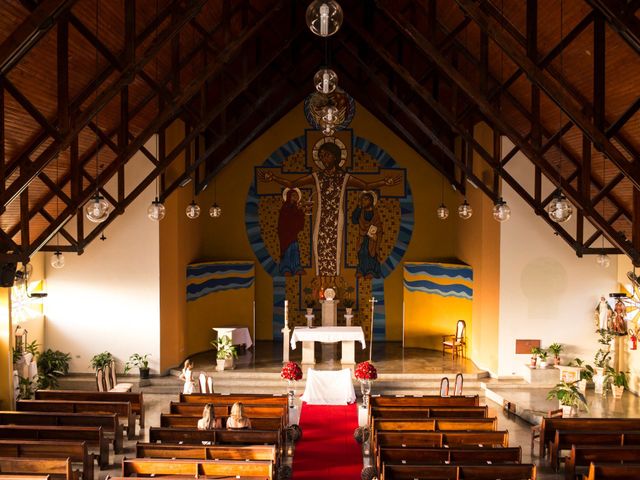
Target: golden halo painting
[{"x": 337, "y": 142}]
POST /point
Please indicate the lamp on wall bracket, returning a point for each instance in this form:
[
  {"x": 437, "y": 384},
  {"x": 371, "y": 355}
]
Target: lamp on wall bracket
[
  {"x": 464, "y": 210},
  {"x": 215, "y": 211},
  {"x": 324, "y": 18}
]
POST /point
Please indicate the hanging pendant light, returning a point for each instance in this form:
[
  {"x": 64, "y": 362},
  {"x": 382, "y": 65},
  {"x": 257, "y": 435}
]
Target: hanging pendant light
[
  {"x": 559, "y": 209},
  {"x": 57, "y": 260},
  {"x": 324, "y": 18},
  {"x": 156, "y": 210},
  {"x": 215, "y": 211},
  {"x": 464, "y": 210},
  {"x": 603, "y": 260},
  {"x": 442, "y": 212},
  {"x": 501, "y": 211},
  {"x": 325, "y": 81},
  {"x": 193, "y": 210}
]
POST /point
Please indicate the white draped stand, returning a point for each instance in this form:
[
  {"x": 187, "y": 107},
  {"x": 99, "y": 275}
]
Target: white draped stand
[
  {"x": 347, "y": 335},
  {"x": 329, "y": 387}
]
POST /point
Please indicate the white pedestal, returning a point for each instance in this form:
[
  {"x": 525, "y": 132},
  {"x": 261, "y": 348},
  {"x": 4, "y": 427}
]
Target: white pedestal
[
  {"x": 539, "y": 377},
  {"x": 348, "y": 354},
  {"x": 309, "y": 319},
  {"x": 308, "y": 354},
  {"x": 347, "y": 319},
  {"x": 569, "y": 374},
  {"x": 329, "y": 312}
]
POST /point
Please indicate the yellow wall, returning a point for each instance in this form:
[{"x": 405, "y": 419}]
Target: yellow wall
[{"x": 6, "y": 370}]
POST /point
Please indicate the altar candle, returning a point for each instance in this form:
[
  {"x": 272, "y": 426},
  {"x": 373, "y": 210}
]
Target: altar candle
[{"x": 286, "y": 313}]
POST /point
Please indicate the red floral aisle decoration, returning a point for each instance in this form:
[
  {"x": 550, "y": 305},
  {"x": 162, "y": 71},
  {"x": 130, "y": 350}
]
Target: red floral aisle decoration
[
  {"x": 291, "y": 371},
  {"x": 366, "y": 371}
]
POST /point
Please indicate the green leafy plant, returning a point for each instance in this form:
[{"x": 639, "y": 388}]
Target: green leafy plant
[
  {"x": 587, "y": 371},
  {"x": 348, "y": 303},
  {"x": 52, "y": 364},
  {"x": 568, "y": 394},
  {"x": 101, "y": 360},
  {"x": 225, "y": 348},
  {"x": 618, "y": 379},
  {"x": 309, "y": 301},
  {"x": 543, "y": 355},
  {"x": 26, "y": 388},
  {"x": 556, "y": 348},
  {"x": 16, "y": 355},
  {"x": 138, "y": 361},
  {"x": 536, "y": 351}
]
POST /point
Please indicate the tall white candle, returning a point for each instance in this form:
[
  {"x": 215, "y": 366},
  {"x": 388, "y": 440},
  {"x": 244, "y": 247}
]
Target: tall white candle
[{"x": 286, "y": 313}]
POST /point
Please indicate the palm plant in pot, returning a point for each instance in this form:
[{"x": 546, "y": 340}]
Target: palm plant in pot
[
  {"x": 535, "y": 352},
  {"x": 101, "y": 360},
  {"x": 141, "y": 362},
  {"x": 569, "y": 396},
  {"x": 586, "y": 373},
  {"x": 556, "y": 348},
  {"x": 543, "y": 358},
  {"x": 619, "y": 381},
  {"x": 309, "y": 302},
  {"x": 348, "y": 305},
  {"x": 226, "y": 352}
]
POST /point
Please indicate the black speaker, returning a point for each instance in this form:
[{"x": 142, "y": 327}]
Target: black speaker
[{"x": 7, "y": 274}]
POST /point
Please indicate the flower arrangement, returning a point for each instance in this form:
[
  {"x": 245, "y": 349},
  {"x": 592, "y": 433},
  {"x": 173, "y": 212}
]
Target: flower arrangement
[
  {"x": 291, "y": 371},
  {"x": 366, "y": 371}
]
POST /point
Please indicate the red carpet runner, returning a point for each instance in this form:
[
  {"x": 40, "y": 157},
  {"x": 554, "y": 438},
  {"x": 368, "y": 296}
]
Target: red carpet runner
[{"x": 327, "y": 449}]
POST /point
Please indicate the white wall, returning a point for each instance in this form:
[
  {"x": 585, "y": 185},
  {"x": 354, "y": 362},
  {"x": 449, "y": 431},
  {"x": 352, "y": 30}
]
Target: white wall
[
  {"x": 546, "y": 291},
  {"x": 108, "y": 297}
]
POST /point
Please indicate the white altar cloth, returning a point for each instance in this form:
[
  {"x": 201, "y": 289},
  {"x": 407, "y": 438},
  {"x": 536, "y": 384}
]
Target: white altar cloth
[
  {"x": 328, "y": 335},
  {"x": 238, "y": 335},
  {"x": 329, "y": 387}
]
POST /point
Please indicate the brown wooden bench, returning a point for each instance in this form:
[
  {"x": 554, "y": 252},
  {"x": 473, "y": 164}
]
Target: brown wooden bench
[
  {"x": 607, "y": 471},
  {"x": 442, "y": 438},
  {"x": 584, "y": 455},
  {"x": 134, "y": 398},
  {"x": 207, "y": 452},
  {"x": 549, "y": 426},
  {"x": 217, "y": 436},
  {"x": 564, "y": 439},
  {"x": 175, "y": 420},
  {"x": 249, "y": 399},
  {"x": 75, "y": 451},
  {"x": 122, "y": 409},
  {"x": 449, "y": 455},
  {"x": 93, "y": 436},
  {"x": 54, "y": 467},
  {"x": 425, "y": 401},
  {"x": 108, "y": 421},
  {"x": 224, "y": 410},
  {"x": 24, "y": 477},
  {"x": 235, "y": 468},
  {"x": 455, "y": 472},
  {"x": 429, "y": 412}
]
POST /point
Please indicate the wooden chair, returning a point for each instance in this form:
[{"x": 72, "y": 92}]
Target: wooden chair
[
  {"x": 112, "y": 380},
  {"x": 101, "y": 382},
  {"x": 202, "y": 381},
  {"x": 535, "y": 430},
  {"x": 457, "y": 342},
  {"x": 209, "y": 384},
  {"x": 458, "y": 386},
  {"x": 444, "y": 387}
]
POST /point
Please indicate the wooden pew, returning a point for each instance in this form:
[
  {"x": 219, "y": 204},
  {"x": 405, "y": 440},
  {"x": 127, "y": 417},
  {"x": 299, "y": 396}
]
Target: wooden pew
[
  {"x": 207, "y": 452},
  {"x": 249, "y": 399},
  {"x": 24, "y": 477},
  {"x": 93, "y": 436},
  {"x": 238, "y": 469},
  {"x": 425, "y": 401},
  {"x": 108, "y": 422},
  {"x": 449, "y": 455},
  {"x": 218, "y": 436},
  {"x": 75, "y": 451},
  {"x": 549, "y": 426},
  {"x": 607, "y": 471},
  {"x": 564, "y": 439},
  {"x": 442, "y": 438},
  {"x": 429, "y": 412},
  {"x": 224, "y": 410},
  {"x": 175, "y": 420},
  {"x": 583, "y": 456},
  {"x": 455, "y": 472},
  {"x": 54, "y": 467},
  {"x": 134, "y": 398},
  {"x": 122, "y": 409}
]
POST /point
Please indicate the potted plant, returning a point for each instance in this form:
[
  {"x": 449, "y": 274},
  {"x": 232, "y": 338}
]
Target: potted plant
[
  {"x": 101, "y": 360},
  {"x": 52, "y": 364},
  {"x": 348, "y": 305},
  {"x": 309, "y": 302},
  {"x": 535, "y": 352},
  {"x": 619, "y": 381},
  {"x": 556, "y": 348},
  {"x": 226, "y": 352},
  {"x": 569, "y": 396},
  {"x": 140, "y": 362},
  {"x": 586, "y": 373},
  {"x": 543, "y": 358}
]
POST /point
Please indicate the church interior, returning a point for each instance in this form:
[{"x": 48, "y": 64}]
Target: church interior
[{"x": 399, "y": 236}]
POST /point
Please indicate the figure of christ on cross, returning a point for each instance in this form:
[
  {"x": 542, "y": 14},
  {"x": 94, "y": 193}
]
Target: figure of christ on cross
[{"x": 331, "y": 183}]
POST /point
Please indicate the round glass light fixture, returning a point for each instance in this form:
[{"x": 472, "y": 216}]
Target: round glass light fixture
[
  {"x": 325, "y": 81},
  {"x": 215, "y": 211},
  {"x": 324, "y": 18},
  {"x": 97, "y": 209},
  {"x": 501, "y": 211},
  {"x": 156, "y": 210},
  {"x": 442, "y": 212},
  {"x": 559, "y": 209},
  {"x": 464, "y": 210},
  {"x": 603, "y": 260},
  {"x": 193, "y": 210},
  {"x": 57, "y": 260}
]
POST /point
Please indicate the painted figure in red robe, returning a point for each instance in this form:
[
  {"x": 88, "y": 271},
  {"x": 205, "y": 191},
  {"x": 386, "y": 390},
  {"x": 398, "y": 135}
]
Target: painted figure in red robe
[{"x": 290, "y": 224}]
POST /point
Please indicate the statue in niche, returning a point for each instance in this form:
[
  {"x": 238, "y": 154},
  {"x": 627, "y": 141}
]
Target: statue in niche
[
  {"x": 619, "y": 324},
  {"x": 603, "y": 314},
  {"x": 290, "y": 224},
  {"x": 331, "y": 182},
  {"x": 369, "y": 224}
]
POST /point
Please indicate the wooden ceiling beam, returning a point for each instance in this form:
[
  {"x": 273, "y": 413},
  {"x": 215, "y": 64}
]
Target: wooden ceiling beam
[{"x": 621, "y": 15}]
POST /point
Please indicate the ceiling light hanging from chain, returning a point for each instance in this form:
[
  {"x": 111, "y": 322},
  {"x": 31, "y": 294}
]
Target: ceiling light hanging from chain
[
  {"x": 57, "y": 260},
  {"x": 324, "y": 18},
  {"x": 559, "y": 209},
  {"x": 325, "y": 81},
  {"x": 501, "y": 211},
  {"x": 464, "y": 210},
  {"x": 193, "y": 210}
]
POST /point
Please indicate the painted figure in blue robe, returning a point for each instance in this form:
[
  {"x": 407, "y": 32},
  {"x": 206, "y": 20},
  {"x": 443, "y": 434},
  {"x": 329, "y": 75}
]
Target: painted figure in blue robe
[
  {"x": 290, "y": 223},
  {"x": 370, "y": 232}
]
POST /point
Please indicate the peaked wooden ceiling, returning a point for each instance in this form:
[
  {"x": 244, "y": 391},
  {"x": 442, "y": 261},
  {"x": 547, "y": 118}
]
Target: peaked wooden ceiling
[{"x": 85, "y": 84}]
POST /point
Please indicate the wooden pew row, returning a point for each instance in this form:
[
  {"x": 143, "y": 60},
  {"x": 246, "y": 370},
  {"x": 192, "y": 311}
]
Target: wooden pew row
[
  {"x": 207, "y": 452},
  {"x": 425, "y": 401},
  {"x": 428, "y": 412},
  {"x": 549, "y": 426},
  {"x": 93, "y": 436},
  {"x": 564, "y": 439},
  {"x": 249, "y": 399},
  {"x": 455, "y": 472},
  {"x": 54, "y": 467},
  {"x": 134, "y": 398},
  {"x": 237, "y": 469},
  {"x": 76, "y": 451},
  {"x": 192, "y": 436},
  {"x": 604, "y": 471},
  {"x": 109, "y": 422},
  {"x": 173, "y": 420},
  {"x": 24, "y": 477},
  {"x": 224, "y": 410},
  {"x": 122, "y": 409},
  {"x": 583, "y": 456}
]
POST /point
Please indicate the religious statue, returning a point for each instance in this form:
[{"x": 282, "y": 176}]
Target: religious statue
[
  {"x": 331, "y": 183},
  {"x": 290, "y": 224},
  {"x": 369, "y": 224},
  {"x": 619, "y": 324},
  {"x": 603, "y": 314}
]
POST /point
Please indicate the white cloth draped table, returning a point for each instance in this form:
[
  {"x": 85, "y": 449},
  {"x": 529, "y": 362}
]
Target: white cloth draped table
[
  {"x": 328, "y": 335},
  {"x": 329, "y": 387},
  {"x": 238, "y": 335}
]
